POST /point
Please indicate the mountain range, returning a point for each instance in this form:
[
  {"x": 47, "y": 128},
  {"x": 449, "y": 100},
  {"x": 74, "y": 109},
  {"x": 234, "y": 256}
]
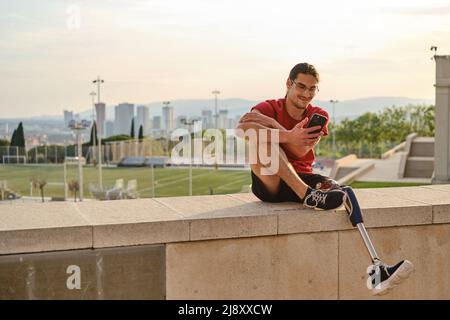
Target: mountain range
[{"x": 236, "y": 107}]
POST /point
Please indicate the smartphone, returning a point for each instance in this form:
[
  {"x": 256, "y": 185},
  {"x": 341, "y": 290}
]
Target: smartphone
[{"x": 317, "y": 120}]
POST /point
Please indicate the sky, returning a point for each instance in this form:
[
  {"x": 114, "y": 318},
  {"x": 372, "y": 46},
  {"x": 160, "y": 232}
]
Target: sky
[{"x": 157, "y": 50}]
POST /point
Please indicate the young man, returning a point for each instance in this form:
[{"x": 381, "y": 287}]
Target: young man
[{"x": 294, "y": 180}]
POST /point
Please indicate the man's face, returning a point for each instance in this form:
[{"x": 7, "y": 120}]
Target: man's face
[{"x": 302, "y": 90}]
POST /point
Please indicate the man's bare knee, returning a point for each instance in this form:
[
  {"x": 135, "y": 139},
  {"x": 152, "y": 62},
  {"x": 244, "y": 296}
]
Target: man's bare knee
[{"x": 271, "y": 182}]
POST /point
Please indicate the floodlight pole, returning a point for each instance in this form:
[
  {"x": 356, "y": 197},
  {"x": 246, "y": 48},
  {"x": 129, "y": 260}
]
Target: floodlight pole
[{"x": 334, "y": 127}]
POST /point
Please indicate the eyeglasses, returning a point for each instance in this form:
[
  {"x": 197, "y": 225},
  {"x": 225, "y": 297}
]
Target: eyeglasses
[{"x": 302, "y": 88}]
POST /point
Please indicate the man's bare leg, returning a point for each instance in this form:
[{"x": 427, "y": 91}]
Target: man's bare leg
[
  {"x": 317, "y": 199},
  {"x": 285, "y": 171}
]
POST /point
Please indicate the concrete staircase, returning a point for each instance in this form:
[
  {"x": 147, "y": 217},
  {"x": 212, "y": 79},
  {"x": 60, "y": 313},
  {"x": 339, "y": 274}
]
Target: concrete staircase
[{"x": 419, "y": 161}]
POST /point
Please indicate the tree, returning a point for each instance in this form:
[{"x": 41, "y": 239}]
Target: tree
[
  {"x": 132, "y": 129},
  {"x": 141, "y": 133},
  {"x": 39, "y": 183},
  {"x": 93, "y": 134},
  {"x": 20, "y": 136},
  {"x": 13, "y": 138}
]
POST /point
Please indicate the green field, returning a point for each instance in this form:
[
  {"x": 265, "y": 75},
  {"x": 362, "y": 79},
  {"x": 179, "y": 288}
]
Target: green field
[
  {"x": 168, "y": 181},
  {"x": 382, "y": 184}
]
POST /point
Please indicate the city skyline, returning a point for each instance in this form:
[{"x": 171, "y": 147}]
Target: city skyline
[{"x": 157, "y": 51}]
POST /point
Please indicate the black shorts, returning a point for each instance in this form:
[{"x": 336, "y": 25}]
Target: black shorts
[{"x": 285, "y": 193}]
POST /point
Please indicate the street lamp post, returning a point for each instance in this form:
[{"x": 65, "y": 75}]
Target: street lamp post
[
  {"x": 94, "y": 132},
  {"x": 78, "y": 127},
  {"x": 189, "y": 124},
  {"x": 216, "y": 116},
  {"x": 99, "y": 81},
  {"x": 334, "y": 127},
  {"x": 166, "y": 124}
]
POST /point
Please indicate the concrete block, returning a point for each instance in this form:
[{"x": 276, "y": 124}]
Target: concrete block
[
  {"x": 301, "y": 266},
  {"x": 133, "y": 222},
  {"x": 437, "y": 195},
  {"x": 223, "y": 217},
  {"x": 124, "y": 273},
  {"x": 377, "y": 212},
  {"x": 42, "y": 227},
  {"x": 385, "y": 208},
  {"x": 308, "y": 220},
  {"x": 426, "y": 247}
]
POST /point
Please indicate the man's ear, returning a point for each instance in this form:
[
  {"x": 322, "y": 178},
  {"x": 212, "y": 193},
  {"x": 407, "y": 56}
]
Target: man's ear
[{"x": 288, "y": 83}]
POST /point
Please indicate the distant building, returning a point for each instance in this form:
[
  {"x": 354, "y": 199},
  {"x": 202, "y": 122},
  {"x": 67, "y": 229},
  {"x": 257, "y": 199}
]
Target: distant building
[
  {"x": 223, "y": 117},
  {"x": 156, "y": 123},
  {"x": 207, "y": 119},
  {"x": 124, "y": 114},
  {"x": 68, "y": 116},
  {"x": 109, "y": 128},
  {"x": 142, "y": 119},
  {"x": 231, "y": 123},
  {"x": 168, "y": 118}
]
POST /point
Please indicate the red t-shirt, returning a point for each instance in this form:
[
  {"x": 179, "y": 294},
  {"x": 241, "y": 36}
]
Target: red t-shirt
[{"x": 276, "y": 109}]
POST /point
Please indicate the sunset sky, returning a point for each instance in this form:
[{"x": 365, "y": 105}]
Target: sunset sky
[{"x": 147, "y": 51}]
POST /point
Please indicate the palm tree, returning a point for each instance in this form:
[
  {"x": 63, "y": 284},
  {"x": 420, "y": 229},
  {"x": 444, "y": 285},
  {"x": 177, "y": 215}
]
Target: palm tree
[
  {"x": 74, "y": 187},
  {"x": 39, "y": 183}
]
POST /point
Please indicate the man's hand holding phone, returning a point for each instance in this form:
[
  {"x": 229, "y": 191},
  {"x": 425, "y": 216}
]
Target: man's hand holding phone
[{"x": 304, "y": 136}]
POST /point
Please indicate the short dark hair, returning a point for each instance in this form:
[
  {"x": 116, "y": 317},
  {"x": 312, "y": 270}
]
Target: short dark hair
[{"x": 304, "y": 68}]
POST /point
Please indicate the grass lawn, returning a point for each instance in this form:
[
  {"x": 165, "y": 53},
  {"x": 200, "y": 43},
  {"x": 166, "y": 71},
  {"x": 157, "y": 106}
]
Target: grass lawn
[
  {"x": 168, "y": 181},
  {"x": 381, "y": 184}
]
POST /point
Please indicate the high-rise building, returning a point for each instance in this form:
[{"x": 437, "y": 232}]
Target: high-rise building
[
  {"x": 223, "y": 117},
  {"x": 231, "y": 123},
  {"x": 157, "y": 122},
  {"x": 124, "y": 114},
  {"x": 109, "y": 128},
  {"x": 142, "y": 119},
  {"x": 168, "y": 118},
  {"x": 68, "y": 116},
  {"x": 207, "y": 119}
]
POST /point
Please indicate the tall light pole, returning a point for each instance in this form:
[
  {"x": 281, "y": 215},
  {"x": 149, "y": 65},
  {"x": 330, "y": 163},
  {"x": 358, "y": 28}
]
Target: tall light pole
[
  {"x": 93, "y": 94},
  {"x": 334, "y": 127},
  {"x": 189, "y": 124},
  {"x": 166, "y": 124},
  {"x": 216, "y": 116},
  {"x": 99, "y": 81},
  {"x": 77, "y": 127}
]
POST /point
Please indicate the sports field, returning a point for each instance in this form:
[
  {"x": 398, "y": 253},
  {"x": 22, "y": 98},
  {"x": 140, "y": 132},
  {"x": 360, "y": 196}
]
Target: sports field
[{"x": 168, "y": 181}]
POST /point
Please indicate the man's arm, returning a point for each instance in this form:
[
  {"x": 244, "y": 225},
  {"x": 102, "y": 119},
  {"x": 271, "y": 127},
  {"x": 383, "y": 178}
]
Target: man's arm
[{"x": 297, "y": 141}]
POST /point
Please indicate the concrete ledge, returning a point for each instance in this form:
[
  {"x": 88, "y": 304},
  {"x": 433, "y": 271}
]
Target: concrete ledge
[
  {"x": 349, "y": 178},
  {"x": 223, "y": 247},
  {"x": 99, "y": 224}
]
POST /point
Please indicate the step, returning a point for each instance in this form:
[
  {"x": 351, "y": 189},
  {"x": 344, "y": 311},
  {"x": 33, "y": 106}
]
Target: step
[
  {"x": 343, "y": 171},
  {"x": 419, "y": 167},
  {"x": 422, "y": 147}
]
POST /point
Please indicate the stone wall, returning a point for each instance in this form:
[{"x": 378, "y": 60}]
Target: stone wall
[{"x": 223, "y": 247}]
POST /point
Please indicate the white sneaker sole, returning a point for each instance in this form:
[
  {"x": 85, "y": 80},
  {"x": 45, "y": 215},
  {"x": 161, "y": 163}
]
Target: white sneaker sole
[{"x": 402, "y": 273}]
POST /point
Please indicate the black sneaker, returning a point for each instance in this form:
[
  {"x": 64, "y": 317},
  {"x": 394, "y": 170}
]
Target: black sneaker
[
  {"x": 324, "y": 200},
  {"x": 383, "y": 277}
]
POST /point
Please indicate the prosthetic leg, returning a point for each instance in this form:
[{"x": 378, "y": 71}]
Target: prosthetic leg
[{"x": 382, "y": 277}]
